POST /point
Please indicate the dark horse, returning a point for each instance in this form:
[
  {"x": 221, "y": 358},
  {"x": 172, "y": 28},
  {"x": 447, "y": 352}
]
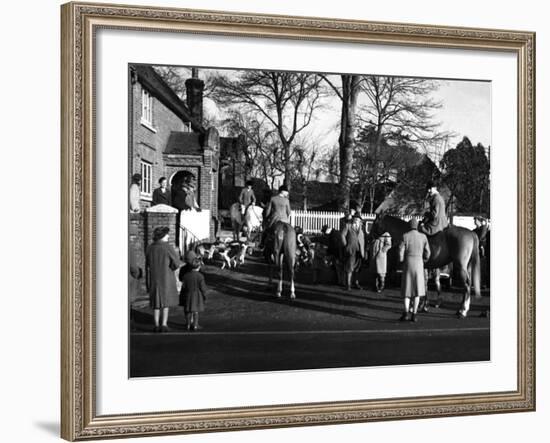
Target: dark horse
[
  {"x": 280, "y": 248},
  {"x": 454, "y": 244}
]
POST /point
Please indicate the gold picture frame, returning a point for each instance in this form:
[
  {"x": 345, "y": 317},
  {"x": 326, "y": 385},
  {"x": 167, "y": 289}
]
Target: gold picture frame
[{"x": 80, "y": 21}]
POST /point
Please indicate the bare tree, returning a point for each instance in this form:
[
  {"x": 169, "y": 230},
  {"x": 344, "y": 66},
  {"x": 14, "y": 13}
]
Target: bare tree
[
  {"x": 402, "y": 106},
  {"x": 263, "y": 153},
  {"x": 305, "y": 166},
  {"x": 372, "y": 169},
  {"x": 286, "y": 100}
]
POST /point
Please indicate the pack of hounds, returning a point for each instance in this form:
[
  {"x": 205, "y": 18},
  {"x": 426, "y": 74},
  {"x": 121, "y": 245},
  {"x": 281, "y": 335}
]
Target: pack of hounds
[{"x": 231, "y": 252}]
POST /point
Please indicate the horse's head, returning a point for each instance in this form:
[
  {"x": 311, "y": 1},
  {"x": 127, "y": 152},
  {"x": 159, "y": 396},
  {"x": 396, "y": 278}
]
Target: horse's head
[{"x": 378, "y": 225}]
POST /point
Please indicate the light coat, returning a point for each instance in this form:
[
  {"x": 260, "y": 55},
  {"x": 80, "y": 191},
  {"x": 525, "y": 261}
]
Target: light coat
[
  {"x": 380, "y": 248},
  {"x": 278, "y": 209},
  {"x": 414, "y": 250}
]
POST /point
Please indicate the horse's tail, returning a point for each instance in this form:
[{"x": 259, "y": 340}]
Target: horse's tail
[{"x": 475, "y": 266}]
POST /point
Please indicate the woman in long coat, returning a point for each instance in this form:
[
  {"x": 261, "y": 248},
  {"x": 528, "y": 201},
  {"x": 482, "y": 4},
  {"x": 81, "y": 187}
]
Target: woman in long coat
[
  {"x": 161, "y": 262},
  {"x": 414, "y": 250}
]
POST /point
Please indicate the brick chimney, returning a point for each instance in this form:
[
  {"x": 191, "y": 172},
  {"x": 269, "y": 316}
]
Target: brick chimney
[{"x": 194, "y": 88}]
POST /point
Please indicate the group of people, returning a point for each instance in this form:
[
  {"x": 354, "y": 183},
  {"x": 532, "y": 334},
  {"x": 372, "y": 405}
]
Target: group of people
[
  {"x": 182, "y": 197},
  {"x": 162, "y": 261},
  {"x": 348, "y": 249},
  {"x": 347, "y": 246}
]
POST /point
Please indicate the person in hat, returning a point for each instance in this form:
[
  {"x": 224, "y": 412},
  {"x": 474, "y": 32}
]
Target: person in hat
[
  {"x": 379, "y": 256},
  {"x": 303, "y": 244},
  {"x": 435, "y": 219},
  {"x": 353, "y": 240},
  {"x": 247, "y": 197},
  {"x": 414, "y": 250},
  {"x": 193, "y": 294},
  {"x": 278, "y": 209},
  {"x": 161, "y": 261},
  {"x": 183, "y": 196},
  {"x": 162, "y": 195},
  {"x": 349, "y": 214},
  {"x": 135, "y": 193},
  {"x": 481, "y": 231}
]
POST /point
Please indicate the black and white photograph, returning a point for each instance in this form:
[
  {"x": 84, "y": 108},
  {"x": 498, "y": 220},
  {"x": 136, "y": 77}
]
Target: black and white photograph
[{"x": 286, "y": 220}]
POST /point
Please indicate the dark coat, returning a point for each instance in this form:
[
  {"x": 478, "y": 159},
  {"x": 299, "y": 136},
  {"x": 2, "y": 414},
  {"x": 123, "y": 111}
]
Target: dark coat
[
  {"x": 193, "y": 291},
  {"x": 247, "y": 197},
  {"x": 162, "y": 261},
  {"x": 354, "y": 247},
  {"x": 178, "y": 199},
  {"x": 435, "y": 219},
  {"x": 136, "y": 274},
  {"x": 278, "y": 209},
  {"x": 335, "y": 244},
  {"x": 162, "y": 198}
]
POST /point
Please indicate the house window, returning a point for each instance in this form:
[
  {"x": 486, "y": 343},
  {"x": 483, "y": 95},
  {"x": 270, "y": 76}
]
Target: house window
[
  {"x": 186, "y": 127},
  {"x": 146, "y": 178},
  {"x": 146, "y": 108}
]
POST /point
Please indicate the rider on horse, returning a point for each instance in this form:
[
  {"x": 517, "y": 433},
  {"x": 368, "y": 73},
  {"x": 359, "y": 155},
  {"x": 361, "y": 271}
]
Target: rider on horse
[
  {"x": 247, "y": 197},
  {"x": 434, "y": 219},
  {"x": 278, "y": 209}
]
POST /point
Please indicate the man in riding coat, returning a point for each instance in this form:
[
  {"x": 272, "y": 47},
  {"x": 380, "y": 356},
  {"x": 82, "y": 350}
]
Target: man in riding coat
[
  {"x": 435, "y": 219},
  {"x": 278, "y": 209},
  {"x": 247, "y": 197}
]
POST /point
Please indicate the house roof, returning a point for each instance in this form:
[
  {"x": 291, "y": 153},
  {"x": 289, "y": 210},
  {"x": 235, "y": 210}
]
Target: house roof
[
  {"x": 188, "y": 143},
  {"x": 154, "y": 83}
]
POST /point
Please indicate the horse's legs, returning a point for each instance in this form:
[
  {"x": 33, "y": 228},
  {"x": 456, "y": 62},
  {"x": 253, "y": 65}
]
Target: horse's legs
[
  {"x": 425, "y": 301},
  {"x": 280, "y": 284},
  {"x": 437, "y": 278},
  {"x": 291, "y": 276},
  {"x": 465, "y": 277}
]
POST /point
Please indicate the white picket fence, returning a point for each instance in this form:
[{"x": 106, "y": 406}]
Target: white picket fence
[{"x": 313, "y": 221}]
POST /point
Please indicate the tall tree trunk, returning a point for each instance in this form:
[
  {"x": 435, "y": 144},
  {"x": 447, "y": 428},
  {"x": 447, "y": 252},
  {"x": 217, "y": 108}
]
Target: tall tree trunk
[
  {"x": 372, "y": 192},
  {"x": 286, "y": 147},
  {"x": 346, "y": 140}
]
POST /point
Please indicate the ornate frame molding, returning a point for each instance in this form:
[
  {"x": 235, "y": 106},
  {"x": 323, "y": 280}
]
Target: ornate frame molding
[{"x": 79, "y": 22}]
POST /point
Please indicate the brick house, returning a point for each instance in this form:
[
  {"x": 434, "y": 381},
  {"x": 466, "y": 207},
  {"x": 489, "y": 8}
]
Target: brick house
[{"x": 167, "y": 138}]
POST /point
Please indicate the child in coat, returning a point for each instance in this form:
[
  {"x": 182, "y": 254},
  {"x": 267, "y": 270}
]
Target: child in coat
[
  {"x": 380, "y": 249},
  {"x": 193, "y": 294}
]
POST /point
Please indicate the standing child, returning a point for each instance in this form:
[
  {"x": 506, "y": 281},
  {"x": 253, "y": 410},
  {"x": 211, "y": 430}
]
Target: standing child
[
  {"x": 380, "y": 249},
  {"x": 193, "y": 294}
]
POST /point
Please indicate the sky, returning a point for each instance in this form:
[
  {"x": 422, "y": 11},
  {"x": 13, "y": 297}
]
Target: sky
[{"x": 465, "y": 111}]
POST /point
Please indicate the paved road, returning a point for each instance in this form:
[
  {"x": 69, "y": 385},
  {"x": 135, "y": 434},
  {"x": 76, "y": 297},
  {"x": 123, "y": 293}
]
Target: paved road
[
  {"x": 245, "y": 328},
  {"x": 204, "y": 353}
]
